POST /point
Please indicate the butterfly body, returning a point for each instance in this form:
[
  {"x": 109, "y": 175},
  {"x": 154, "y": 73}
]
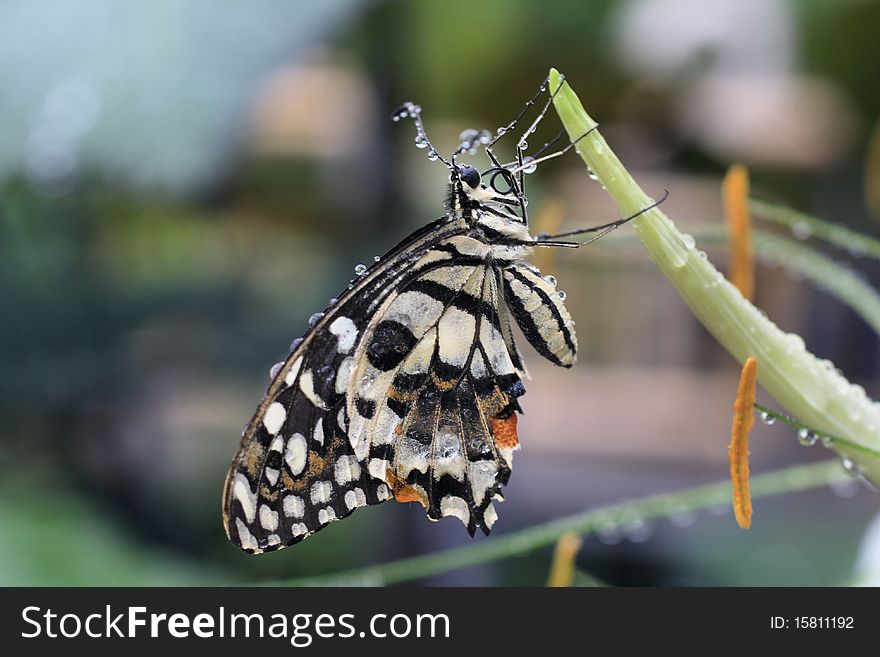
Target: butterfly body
[{"x": 407, "y": 386}]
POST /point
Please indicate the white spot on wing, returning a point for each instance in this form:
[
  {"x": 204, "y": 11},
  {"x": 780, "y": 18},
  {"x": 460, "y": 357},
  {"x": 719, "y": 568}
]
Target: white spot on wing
[
  {"x": 247, "y": 540},
  {"x": 241, "y": 490},
  {"x": 318, "y": 434},
  {"x": 382, "y": 492},
  {"x": 294, "y": 507},
  {"x": 274, "y": 418},
  {"x": 347, "y": 469},
  {"x": 456, "y": 329},
  {"x": 295, "y": 454},
  {"x": 293, "y": 371},
  {"x": 448, "y": 456},
  {"x": 378, "y": 468},
  {"x": 346, "y": 333},
  {"x": 340, "y": 419},
  {"x": 271, "y": 475},
  {"x": 307, "y": 385},
  {"x": 482, "y": 477},
  {"x": 452, "y": 505},
  {"x": 326, "y": 515},
  {"x": 322, "y": 491},
  {"x": 414, "y": 454},
  {"x": 343, "y": 375},
  {"x": 268, "y": 518},
  {"x": 355, "y": 498},
  {"x": 490, "y": 516},
  {"x": 298, "y": 529}
]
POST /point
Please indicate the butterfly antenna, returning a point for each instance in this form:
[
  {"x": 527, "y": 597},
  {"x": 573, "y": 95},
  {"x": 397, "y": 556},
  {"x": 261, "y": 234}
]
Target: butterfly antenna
[{"x": 413, "y": 111}]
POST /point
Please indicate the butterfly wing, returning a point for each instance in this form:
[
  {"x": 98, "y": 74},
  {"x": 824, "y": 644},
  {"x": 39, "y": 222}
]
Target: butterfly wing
[
  {"x": 538, "y": 309},
  {"x": 406, "y": 388},
  {"x": 295, "y": 470},
  {"x": 435, "y": 418}
]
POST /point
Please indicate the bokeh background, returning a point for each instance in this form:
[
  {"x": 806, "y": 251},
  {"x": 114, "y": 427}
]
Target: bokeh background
[{"x": 183, "y": 183}]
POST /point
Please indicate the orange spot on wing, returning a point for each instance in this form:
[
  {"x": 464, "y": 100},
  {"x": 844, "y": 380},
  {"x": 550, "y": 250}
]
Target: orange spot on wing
[
  {"x": 399, "y": 428},
  {"x": 743, "y": 419},
  {"x": 403, "y": 492},
  {"x": 504, "y": 431}
]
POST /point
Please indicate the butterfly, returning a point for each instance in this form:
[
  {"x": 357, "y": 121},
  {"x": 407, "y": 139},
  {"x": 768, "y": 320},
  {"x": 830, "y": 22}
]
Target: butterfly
[{"x": 407, "y": 386}]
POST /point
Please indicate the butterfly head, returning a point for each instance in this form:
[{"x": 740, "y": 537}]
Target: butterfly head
[{"x": 492, "y": 193}]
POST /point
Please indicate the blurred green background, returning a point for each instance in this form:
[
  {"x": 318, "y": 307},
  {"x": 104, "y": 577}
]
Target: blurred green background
[{"x": 183, "y": 183}]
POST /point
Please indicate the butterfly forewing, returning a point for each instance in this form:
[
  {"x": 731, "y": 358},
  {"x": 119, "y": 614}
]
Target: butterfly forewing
[{"x": 296, "y": 470}]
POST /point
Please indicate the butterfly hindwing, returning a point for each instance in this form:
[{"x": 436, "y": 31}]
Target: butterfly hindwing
[{"x": 438, "y": 410}]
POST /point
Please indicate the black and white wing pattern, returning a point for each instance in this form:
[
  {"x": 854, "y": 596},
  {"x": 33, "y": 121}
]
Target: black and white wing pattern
[
  {"x": 406, "y": 387},
  {"x": 295, "y": 470}
]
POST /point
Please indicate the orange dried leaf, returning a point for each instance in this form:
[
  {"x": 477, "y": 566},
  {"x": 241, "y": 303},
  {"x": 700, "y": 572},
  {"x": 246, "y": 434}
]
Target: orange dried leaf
[
  {"x": 743, "y": 419},
  {"x": 739, "y": 223}
]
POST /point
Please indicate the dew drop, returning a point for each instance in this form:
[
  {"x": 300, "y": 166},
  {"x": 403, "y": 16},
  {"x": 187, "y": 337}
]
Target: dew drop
[
  {"x": 850, "y": 467},
  {"x": 432, "y": 155},
  {"x": 807, "y": 438},
  {"x": 802, "y": 230},
  {"x": 794, "y": 343},
  {"x": 420, "y": 142},
  {"x": 468, "y": 136},
  {"x": 360, "y": 269},
  {"x": 845, "y": 487},
  {"x": 523, "y": 144},
  {"x": 296, "y": 343},
  {"x": 501, "y": 131},
  {"x": 561, "y": 294},
  {"x": 551, "y": 280},
  {"x": 767, "y": 419},
  {"x": 485, "y": 136},
  {"x": 591, "y": 174},
  {"x": 332, "y": 302},
  {"x": 688, "y": 240},
  {"x": 683, "y": 516},
  {"x": 637, "y": 530},
  {"x": 376, "y": 258},
  {"x": 528, "y": 164},
  {"x": 314, "y": 319},
  {"x": 609, "y": 533},
  {"x": 273, "y": 371}
]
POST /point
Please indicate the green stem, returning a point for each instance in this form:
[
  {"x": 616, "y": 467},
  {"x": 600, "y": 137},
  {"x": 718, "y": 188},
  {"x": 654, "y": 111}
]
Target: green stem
[
  {"x": 810, "y": 226},
  {"x": 810, "y": 434},
  {"x": 811, "y": 389},
  {"x": 788, "y": 480}
]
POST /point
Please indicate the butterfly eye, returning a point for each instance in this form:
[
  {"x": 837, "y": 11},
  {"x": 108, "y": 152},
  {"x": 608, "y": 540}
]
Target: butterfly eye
[{"x": 469, "y": 175}]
